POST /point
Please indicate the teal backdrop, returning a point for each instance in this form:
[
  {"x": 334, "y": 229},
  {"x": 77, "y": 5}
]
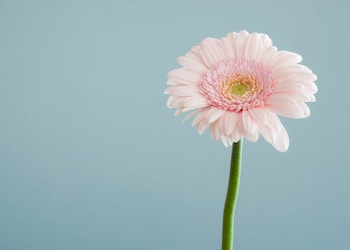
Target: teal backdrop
[{"x": 91, "y": 158}]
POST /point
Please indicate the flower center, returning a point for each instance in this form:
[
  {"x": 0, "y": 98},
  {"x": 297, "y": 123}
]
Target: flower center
[
  {"x": 239, "y": 89},
  {"x": 238, "y": 84}
]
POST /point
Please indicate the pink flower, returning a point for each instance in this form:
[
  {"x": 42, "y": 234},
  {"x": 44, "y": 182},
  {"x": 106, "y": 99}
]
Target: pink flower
[{"x": 237, "y": 85}]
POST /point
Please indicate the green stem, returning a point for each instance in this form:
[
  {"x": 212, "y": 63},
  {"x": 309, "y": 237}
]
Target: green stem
[{"x": 231, "y": 197}]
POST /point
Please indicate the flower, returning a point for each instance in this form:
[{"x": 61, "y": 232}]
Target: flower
[{"x": 238, "y": 85}]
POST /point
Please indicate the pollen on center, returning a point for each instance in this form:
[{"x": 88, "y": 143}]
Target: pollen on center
[
  {"x": 239, "y": 89},
  {"x": 237, "y": 86}
]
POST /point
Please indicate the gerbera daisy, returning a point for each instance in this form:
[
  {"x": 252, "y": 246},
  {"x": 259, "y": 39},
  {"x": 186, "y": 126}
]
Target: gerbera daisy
[{"x": 238, "y": 85}]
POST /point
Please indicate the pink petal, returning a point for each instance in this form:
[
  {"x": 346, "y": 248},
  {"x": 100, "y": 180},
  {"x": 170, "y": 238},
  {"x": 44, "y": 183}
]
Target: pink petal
[
  {"x": 271, "y": 130},
  {"x": 194, "y": 102},
  {"x": 184, "y": 76},
  {"x": 290, "y": 97},
  {"x": 265, "y": 47},
  {"x": 291, "y": 110},
  {"x": 183, "y": 91},
  {"x": 214, "y": 114},
  {"x": 268, "y": 55},
  {"x": 259, "y": 115},
  {"x": 228, "y": 121},
  {"x": 293, "y": 75},
  {"x": 273, "y": 121},
  {"x": 211, "y": 52},
  {"x": 199, "y": 118},
  {"x": 178, "y": 112},
  {"x": 227, "y": 48},
  {"x": 253, "y": 47},
  {"x": 193, "y": 62},
  {"x": 236, "y": 135},
  {"x": 174, "y": 102},
  {"x": 269, "y": 134},
  {"x": 282, "y": 141},
  {"x": 189, "y": 63},
  {"x": 215, "y": 130},
  {"x": 288, "y": 86},
  {"x": 224, "y": 140},
  {"x": 232, "y": 39},
  {"x": 202, "y": 126},
  {"x": 173, "y": 82},
  {"x": 189, "y": 116},
  {"x": 310, "y": 86},
  {"x": 284, "y": 58},
  {"x": 241, "y": 43},
  {"x": 240, "y": 124},
  {"x": 265, "y": 41},
  {"x": 195, "y": 54},
  {"x": 296, "y": 76},
  {"x": 248, "y": 123},
  {"x": 252, "y": 137},
  {"x": 297, "y": 87}
]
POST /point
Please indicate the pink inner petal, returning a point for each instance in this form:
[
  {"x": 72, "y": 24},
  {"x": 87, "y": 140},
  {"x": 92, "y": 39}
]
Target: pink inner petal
[{"x": 217, "y": 85}]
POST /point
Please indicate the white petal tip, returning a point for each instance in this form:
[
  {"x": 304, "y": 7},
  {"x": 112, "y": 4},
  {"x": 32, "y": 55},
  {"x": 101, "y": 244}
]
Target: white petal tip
[{"x": 282, "y": 150}]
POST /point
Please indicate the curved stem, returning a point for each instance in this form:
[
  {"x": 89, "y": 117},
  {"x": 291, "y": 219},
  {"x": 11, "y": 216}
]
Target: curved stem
[{"x": 231, "y": 197}]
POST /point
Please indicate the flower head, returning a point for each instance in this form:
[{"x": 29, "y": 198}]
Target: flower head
[{"x": 237, "y": 85}]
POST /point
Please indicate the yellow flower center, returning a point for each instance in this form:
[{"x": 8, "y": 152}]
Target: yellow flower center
[
  {"x": 238, "y": 86},
  {"x": 239, "y": 89}
]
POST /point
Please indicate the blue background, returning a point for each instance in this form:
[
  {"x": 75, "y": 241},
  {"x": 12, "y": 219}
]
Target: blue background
[{"x": 91, "y": 157}]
